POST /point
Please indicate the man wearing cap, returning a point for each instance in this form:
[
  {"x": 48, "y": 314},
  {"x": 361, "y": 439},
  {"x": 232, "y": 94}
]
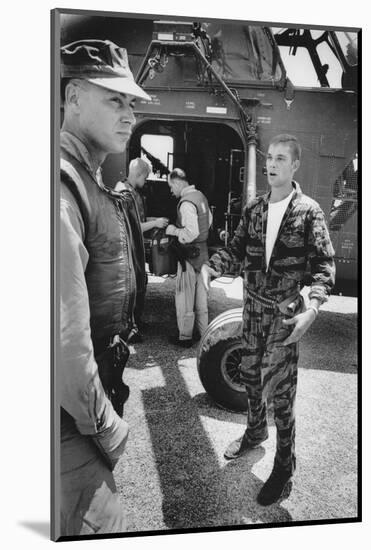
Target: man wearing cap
[{"x": 98, "y": 282}]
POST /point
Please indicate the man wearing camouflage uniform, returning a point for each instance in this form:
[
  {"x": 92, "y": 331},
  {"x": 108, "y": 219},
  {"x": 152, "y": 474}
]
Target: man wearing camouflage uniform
[{"x": 279, "y": 233}]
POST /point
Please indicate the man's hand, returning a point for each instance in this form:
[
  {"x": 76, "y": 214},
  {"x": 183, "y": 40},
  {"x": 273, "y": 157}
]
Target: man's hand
[
  {"x": 302, "y": 322},
  {"x": 119, "y": 186},
  {"x": 206, "y": 273},
  {"x": 171, "y": 229},
  {"x": 161, "y": 222}
]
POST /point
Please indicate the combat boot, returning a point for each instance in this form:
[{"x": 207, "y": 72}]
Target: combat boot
[
  {"x": 241, "y": 446},
  {"x": 278, "y": 485}
]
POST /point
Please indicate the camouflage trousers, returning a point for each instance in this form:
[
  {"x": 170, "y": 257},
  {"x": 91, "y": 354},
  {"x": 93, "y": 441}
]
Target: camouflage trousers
[{"x": 269, "y": 371}]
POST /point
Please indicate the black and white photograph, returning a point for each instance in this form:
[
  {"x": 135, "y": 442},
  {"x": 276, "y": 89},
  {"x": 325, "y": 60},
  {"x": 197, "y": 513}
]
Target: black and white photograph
[
  {"x": 183, "y": 275},
  {"x": 206, "y": 233}
]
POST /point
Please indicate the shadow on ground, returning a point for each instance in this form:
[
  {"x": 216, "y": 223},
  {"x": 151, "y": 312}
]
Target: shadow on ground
[
  {"x": 337, "y": 350},
  {"x": 197, "y": 491},
  {"x": 173, "y": 475}
]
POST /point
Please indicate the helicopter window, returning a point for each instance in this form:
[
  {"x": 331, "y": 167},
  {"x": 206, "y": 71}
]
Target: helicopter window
[
  {"x": 331, "y": 63},
  {"x": 158, "y": 150},
  {"x": 299, "y": 67},
  {"x": 241, "y": 52},
  {"x": 317, "y": 58},
  {"x": 349, "y": 45},
  {"x": 345, "y": 196}
]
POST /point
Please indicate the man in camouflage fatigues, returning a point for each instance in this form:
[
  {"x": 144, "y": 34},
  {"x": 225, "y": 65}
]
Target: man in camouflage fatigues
[{"x": 274, "y": 265}]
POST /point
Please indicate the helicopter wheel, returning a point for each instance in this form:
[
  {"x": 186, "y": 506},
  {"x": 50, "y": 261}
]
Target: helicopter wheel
[{"x": 219, "y": 361}]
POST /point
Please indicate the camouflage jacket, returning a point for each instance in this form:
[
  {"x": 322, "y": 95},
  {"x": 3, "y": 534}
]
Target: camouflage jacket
[{"x": 303, "y": 244}]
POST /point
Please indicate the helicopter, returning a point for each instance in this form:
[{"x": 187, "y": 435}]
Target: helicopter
[{"x": 220, "y": 90}]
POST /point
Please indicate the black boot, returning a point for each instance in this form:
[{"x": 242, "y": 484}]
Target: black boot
[
  {"x": 135, "y": 336},
  {"x": 277, "y": 485},
  {"x": 176, "y": 341}
]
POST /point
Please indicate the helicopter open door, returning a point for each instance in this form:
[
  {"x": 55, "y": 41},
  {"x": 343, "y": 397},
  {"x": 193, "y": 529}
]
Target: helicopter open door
[
  {"x": 213, "y": 158},
  {"x": 234, "y": 197}
]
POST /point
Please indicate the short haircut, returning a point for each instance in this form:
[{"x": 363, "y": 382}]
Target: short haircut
[
  {"x": 178, "y": 174},
  {"x": 291, "y": 141},
  {"x": 64, "y": 82},
  {"x": 139, "y": 166}
]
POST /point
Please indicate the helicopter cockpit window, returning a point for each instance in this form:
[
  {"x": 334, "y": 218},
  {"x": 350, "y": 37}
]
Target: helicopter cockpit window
[
  {"x": 317, "y": 58},
  {"x": 349, "y": 45},
  {"x": 241, "y": 53},
  {"x": 331, "y": 64},
  {"x": 345, "y": 196},
  {"x": 299, "y": 67}
]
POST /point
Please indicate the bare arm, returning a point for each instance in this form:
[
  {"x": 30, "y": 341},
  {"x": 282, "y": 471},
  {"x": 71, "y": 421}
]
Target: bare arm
[{"x": 150, "y": 224}]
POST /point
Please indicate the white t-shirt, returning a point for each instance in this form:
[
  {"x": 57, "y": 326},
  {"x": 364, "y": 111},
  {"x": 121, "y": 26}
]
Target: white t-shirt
[{"x": 276, "y": 211}]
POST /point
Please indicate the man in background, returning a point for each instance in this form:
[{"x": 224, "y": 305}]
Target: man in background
[
  {"x": 191, "y": 230},
  {"x": 138, "y": 173}
]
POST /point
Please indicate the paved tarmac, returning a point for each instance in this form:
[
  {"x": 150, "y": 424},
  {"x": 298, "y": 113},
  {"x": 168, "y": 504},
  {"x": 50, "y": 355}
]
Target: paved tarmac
[{"x": 173, "y": 475}]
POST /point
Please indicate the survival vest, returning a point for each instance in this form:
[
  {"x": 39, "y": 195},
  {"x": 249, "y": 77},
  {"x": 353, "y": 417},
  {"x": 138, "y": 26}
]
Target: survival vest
[
  {"x": 199, "y": 200},
  {"x": 112, "y": 270}
]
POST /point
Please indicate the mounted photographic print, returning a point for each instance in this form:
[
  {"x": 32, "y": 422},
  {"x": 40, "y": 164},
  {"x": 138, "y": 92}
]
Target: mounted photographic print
[{"x": 205, "y": 202}]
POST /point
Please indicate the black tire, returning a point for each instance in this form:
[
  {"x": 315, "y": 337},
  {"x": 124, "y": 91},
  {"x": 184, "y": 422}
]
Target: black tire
[{"x": 219, "y": 371}]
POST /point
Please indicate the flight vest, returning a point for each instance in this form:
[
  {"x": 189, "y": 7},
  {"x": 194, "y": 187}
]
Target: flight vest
[
  {"x": 199, "y": 200},
  {"x": 138, "y": 198},
  {"x": 110, "y": 272}
]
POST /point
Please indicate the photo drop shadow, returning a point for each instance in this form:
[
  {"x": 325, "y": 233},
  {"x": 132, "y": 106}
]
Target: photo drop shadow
[{"x": 41, "y": 528}]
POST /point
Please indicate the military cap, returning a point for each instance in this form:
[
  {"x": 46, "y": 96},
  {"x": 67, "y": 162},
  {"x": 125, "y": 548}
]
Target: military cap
[{"x": 102, "y": 63}]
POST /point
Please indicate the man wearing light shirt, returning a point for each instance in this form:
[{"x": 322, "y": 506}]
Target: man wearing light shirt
[
  {"x": 279, "y": 235},
  {"x": 192, "y": 227}
]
